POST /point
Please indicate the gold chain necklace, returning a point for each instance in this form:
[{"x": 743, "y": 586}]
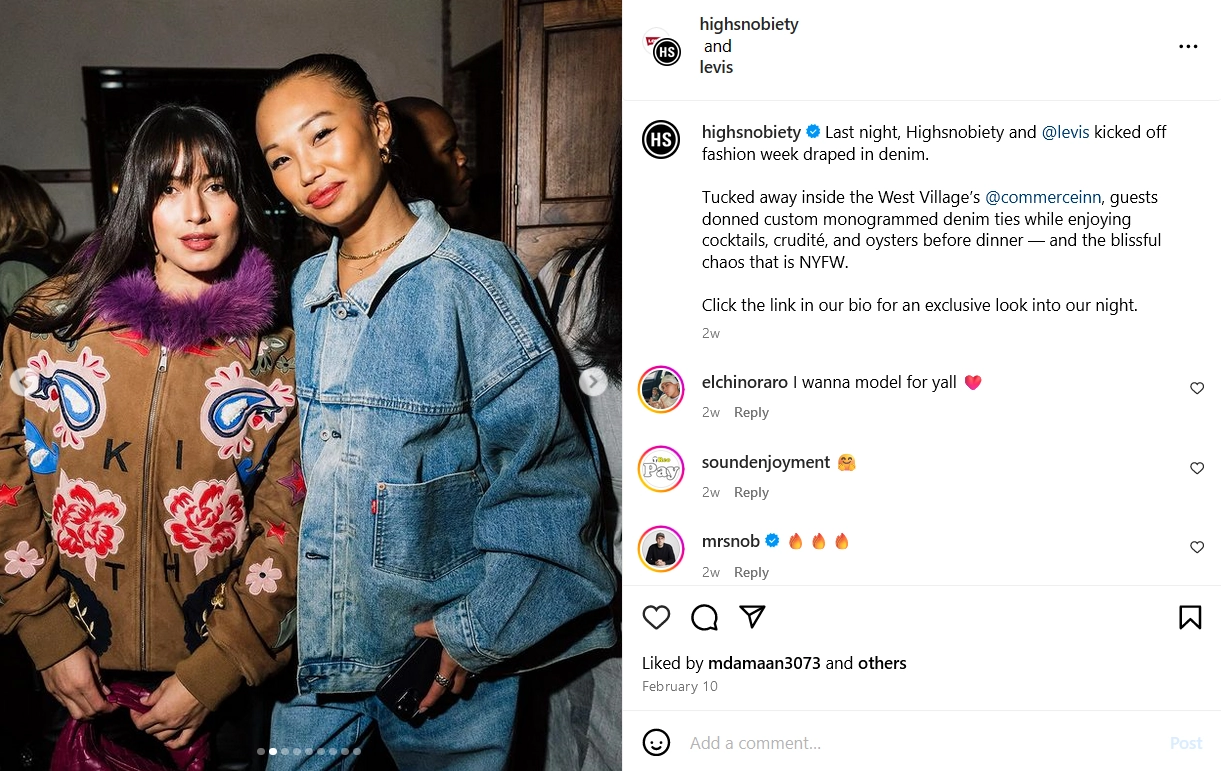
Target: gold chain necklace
[{"x": 372, "y": 255}]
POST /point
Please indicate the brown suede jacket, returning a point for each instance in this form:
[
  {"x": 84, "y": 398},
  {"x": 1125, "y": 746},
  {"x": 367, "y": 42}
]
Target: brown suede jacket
[{"x": 150, "y": 484}]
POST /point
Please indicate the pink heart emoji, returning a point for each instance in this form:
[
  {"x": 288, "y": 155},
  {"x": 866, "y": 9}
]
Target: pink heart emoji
[{"x": 973, "y": 381}]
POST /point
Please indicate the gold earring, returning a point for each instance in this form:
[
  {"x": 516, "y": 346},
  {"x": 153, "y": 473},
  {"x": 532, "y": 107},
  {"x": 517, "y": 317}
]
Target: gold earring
[{"x": 384, "y": 154}]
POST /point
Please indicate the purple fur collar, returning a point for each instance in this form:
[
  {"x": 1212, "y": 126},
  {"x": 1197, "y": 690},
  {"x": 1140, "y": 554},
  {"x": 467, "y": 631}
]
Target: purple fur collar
[{"x": 239, "y": 306}]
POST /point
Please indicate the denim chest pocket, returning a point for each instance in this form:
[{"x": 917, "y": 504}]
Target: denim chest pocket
[{"x": 426, "y": 530}]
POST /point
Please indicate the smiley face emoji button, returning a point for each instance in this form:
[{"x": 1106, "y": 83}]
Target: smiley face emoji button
[
  {"x": 657, "y": 742},
  {"x": 847, "y": 463}
]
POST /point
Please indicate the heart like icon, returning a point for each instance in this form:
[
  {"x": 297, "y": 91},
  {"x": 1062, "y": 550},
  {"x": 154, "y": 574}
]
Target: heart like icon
[
  {"x": 1197, "y": 467},
  {"x": 973, "y": 381},
  {"x": 1197, "y": 546},
  {"x": 1197, "y": 387},
  {"x": 656, "y": 615}
]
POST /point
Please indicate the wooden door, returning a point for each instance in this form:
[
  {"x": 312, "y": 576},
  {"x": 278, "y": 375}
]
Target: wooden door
[{"x": 562, "y": 118}]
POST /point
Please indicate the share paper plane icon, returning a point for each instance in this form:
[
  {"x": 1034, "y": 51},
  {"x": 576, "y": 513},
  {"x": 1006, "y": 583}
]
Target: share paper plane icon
[{"x": 752, "y": 613}]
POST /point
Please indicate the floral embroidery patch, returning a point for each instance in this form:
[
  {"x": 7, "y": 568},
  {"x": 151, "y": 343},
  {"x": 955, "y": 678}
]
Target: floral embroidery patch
[
  {"x": 237, "y": 403},
  {"x": 207, "y": 519},
  {"x": 85, "y": 521},
  {"x": 198, "y": 606},
  {"x": 262, "y": 577},
  {"x": 22, "y": 561},
  {"x": 85, "y": 606},
  {"x": 73, "y": 389},
  {"x": 272, "y": 345}
]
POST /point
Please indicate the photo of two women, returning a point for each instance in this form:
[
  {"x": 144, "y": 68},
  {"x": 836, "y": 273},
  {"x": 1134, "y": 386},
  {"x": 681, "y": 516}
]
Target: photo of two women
[{"x": 295, "y": 470}]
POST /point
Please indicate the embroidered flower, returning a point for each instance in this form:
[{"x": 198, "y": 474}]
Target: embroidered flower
[
  {"x": 85, "y": 521},
  {"x": 236, "y": 404},
  {"x": 207, "y": 519},
  {"x": 88, "y": 610},
  {"x": 23, "y": 560},
  {"x": 270, "y": 346},
  {"x": 263, "y": 576}
]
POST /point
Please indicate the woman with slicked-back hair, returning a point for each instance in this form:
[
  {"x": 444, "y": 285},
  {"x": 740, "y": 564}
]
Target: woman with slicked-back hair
[{"x": 451, "y": 489}]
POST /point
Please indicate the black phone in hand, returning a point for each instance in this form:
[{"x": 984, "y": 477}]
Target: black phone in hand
[{"x": 407, "y": 684}]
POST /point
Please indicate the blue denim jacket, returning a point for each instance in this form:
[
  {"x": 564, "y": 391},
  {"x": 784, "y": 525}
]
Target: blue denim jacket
[{"x": 446, "y": 478}]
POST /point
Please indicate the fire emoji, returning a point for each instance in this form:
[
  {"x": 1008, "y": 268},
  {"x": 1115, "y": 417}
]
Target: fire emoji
[
  {"x": 795, "y": 541},
  {"x": 819, "y": 542},
  {"x": 841, "y": 541}
]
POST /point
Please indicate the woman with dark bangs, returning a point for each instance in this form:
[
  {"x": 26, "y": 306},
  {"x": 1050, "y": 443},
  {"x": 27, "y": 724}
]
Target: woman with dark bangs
[{"x": 150, "y": 489}]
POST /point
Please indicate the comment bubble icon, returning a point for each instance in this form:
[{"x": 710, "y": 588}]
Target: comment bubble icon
[{"x": 704, "y": 618}]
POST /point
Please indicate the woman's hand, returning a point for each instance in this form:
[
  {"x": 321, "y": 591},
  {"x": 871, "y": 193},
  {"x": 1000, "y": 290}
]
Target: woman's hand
[
  {"x": 76, "y": 682},
  {"x": 175, "y": 715},
  {"x": 451, "y": 671}
]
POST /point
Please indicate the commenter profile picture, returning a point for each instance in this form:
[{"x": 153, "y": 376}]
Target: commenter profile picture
[
  {"x": 661, "y": 389},
  {"x": 660, "y": 548},
  {"x": 660, "y": 468}
]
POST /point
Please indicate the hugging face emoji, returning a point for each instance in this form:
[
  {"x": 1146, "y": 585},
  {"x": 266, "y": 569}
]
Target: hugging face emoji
[{"x": 847, "y": 463}]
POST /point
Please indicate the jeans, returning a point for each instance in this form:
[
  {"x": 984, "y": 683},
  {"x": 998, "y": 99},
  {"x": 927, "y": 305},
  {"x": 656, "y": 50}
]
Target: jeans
[{"x": 318, "y": 732}]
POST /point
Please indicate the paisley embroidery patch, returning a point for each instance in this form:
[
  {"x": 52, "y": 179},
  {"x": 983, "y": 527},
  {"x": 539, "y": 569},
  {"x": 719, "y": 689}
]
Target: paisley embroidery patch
[
  {"x": 236, "y": 404},
  {"x": 72, "y": 389}
]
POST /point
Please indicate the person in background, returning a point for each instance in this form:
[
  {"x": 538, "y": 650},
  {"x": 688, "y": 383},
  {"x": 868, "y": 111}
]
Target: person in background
[
  {"x": 428, "y": 141},
  {"x": 584, "y": 287},
  {"x": 150, "y": 484},
  {"x": 30, "y": 228}
]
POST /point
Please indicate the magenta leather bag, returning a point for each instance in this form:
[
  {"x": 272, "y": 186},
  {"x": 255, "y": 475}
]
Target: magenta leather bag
[{"x": 85, "y": 745}]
